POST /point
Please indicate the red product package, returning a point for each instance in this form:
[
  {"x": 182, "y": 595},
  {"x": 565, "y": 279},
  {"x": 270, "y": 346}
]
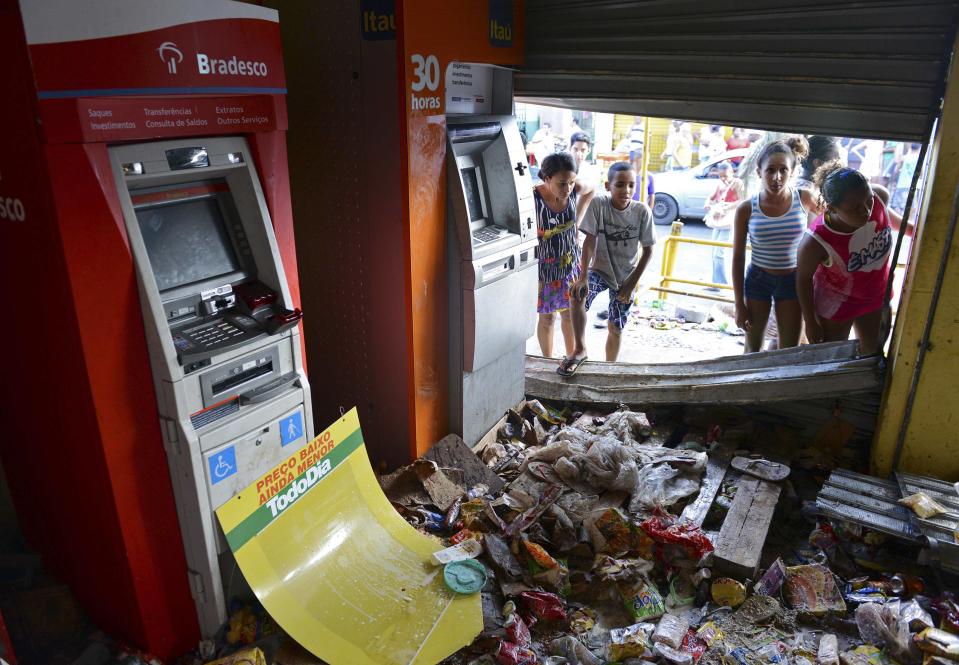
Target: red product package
[
  {"x": 517, "y": 631},
  {"x": 663, "y": 528},
  {"x": 544, "y": 605},
  {"x": 693, "y": 645},
  {"x": 513, "y": 654}
]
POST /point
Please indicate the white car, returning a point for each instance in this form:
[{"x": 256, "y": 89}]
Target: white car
[{"x": 684, "y": 193}]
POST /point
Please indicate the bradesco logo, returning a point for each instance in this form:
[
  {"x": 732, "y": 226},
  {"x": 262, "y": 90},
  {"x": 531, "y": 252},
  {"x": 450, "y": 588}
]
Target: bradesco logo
[{"x": 210, "y": 65}]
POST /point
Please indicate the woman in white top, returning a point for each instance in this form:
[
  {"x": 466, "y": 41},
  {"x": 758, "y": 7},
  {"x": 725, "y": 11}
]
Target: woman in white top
[{"x": 773, "y": 222}]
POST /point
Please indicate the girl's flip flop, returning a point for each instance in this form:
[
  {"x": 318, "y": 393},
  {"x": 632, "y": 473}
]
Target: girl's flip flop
[{"x": 569, "y": 366}]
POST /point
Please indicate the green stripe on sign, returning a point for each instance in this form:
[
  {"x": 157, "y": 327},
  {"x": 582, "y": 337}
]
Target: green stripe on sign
[{"x": 263, "y": 516}]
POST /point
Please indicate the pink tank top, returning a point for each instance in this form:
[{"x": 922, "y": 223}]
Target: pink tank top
[{"x": 852, "y": 281}]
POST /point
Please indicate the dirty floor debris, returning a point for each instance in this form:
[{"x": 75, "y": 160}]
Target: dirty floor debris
[{"x": 622, "y": 538}]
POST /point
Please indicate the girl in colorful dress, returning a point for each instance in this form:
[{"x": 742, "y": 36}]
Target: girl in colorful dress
[
  {"x": 558, "y": 200},
  {"x": 844, "y": 259},
  {"x": 773, "y": 222}
]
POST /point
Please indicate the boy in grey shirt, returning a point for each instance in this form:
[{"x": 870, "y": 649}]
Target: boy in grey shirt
[{"x": 619, "y": 243}]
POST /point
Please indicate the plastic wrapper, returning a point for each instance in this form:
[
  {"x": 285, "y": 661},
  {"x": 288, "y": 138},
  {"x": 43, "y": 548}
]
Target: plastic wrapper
[
  {"x": 244, "y": 657},
  {"x": 625, "y": 425},
  {"x": 547, "y": 414},
  {"x": 468, "y": 549},
  {"x": 630, "y": 642},
  {"x": 663, "y": 528},
  {"x": 923, "y": 505},
  {"x": 682, "y": 593},
  {"x": 574, "y": 651},
  {"x": 642, "y": 599},
  {"x": 671, "y": 631},
  {"x": 582, "y": 620},
  {"x": 693, "y": 645},
  {"x": 611, "y": 532},
  {"x": 513, "y": 654},
  {"x": 612, "y": 569},
  {"x": 710, "y": 633},
  {"x": 544, "y": 605},
  {"x": 915, "y": 617},
  {"x": 881, "y": 625},
  {"x": 939, "y": 643},
  {"x": 517, "y": 631},
  {"x": 866, "y": 654},
  {"x": 728, "y": 592},
  {"x": 502, "y": 556},
  {"x": 661, "y": 485},
  {"x": 772, "y": 580},
  {"x": 828, "y": 650},
  {"x": 570, "y": 442},
  {"x": 812, "y": 588},
  {"x": 674, "y": 655}
]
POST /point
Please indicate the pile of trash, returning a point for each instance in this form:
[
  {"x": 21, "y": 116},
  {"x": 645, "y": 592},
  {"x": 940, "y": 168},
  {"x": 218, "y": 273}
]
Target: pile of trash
[{"x": 580, "y": 541}]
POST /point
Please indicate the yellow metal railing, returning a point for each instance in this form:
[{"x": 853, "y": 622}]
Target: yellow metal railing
[{"x": 664, "y": 281}]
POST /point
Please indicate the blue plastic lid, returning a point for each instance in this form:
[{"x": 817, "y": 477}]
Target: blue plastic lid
[{"x": 466, "y": 576}]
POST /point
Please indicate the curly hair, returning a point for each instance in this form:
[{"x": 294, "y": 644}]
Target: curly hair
[{"x": 835, "y": 181}]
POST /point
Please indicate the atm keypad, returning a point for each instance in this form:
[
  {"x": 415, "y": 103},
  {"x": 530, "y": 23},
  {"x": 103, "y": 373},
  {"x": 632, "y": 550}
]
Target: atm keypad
[{"x": 486, "y": 234}]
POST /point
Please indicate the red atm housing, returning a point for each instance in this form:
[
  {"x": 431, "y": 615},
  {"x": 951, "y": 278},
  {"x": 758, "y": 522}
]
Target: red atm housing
[{"x": 82, "y": 448}]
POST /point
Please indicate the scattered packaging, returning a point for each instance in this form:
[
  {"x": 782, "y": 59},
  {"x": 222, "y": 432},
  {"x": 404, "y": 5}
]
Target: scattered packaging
[
  {"x": 642, "y": 599},
  {"x": 728, "y": 592},
  {"x": 630, "y": 642},
  {"x": 671, "y": 631},
  {"x": 544, "y": 605},
  {"x": 709, "y": 633},
  {"x": 828, "y": 650},
  {"x": 812, "y": 588},
  {"x": 939, "y": 643},
  {"x": 772, "y": 581},
  {"x": 517, "y": 631},
  {"x": 513, "y": 654},
  {"x": 244, "y": 657},
  {"x": 923, "y": 505},
  {"x": 468, "y": 549}
]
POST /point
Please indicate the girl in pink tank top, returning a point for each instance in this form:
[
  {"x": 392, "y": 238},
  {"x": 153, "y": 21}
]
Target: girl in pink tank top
[{"x": 843, "y": 261}]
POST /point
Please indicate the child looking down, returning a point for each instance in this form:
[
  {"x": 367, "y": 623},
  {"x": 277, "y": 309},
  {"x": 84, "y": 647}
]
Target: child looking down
[{"x": 616, "y": 227}]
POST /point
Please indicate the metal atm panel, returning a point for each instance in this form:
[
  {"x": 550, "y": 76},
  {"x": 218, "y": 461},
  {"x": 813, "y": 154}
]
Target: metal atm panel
[
  {"x": 224, "y": 345},
  {"x": 492, "y": 268}
]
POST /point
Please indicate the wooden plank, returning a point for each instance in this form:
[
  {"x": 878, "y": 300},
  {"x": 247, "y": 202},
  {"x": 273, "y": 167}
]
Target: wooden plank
[
  {"x": 696, "y": 511},
  {"x": 744, "y": 530}
]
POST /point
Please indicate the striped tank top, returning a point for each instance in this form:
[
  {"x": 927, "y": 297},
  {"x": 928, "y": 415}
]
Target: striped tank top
[{"x": 775, "y": 240}]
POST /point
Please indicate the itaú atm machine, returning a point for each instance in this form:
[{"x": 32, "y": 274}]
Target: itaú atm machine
[
  {"x": 492, "y": 264},
  {"x": 223, "y": 341}
]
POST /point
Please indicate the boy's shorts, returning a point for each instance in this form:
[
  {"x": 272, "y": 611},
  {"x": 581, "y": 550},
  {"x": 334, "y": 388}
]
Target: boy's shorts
[
  {"x": 765, "y": 286},
  {"x": 618, "y": 311}
]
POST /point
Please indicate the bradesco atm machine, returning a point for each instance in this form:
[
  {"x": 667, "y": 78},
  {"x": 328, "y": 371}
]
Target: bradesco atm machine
[
  {"x": 224, "y": 344},
  {"x": 160, "y": 365},
  {"x": 491, "y": 240}
]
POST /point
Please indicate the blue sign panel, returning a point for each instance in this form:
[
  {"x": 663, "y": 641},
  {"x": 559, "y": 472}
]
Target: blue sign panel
[
  {"x": 501, "y": 22},
  {"x": 291, "y": 428},
  {"x": 222, "y": 465}
]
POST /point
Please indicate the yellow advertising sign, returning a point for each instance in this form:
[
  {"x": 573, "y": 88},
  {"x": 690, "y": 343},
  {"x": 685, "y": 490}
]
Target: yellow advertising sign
[{"x": 335, "y": 565}]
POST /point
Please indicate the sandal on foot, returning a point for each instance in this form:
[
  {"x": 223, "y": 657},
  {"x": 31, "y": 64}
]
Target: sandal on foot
[{"x": 569, "y": 366}]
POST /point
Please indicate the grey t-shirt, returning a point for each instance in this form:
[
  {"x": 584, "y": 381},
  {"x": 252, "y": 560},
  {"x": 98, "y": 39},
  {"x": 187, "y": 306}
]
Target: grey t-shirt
[{"x": 619, "y": 233}]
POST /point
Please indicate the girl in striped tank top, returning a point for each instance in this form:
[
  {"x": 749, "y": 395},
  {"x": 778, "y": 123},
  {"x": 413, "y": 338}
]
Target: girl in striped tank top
[
  {"x": 773, "y": 222},
  {"x": 559, "y": 201}
]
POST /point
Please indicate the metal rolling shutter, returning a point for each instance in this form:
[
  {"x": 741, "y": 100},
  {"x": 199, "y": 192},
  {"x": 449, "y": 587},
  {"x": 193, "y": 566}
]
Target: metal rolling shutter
[{"x": 867, "y": 69}]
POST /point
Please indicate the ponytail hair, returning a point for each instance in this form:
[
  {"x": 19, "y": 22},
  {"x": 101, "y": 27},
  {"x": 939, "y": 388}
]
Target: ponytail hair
[
  {"x": 555, "y": 163},
  {"x": 795, "y": 147},
  {"x": 835, "y": 181}
]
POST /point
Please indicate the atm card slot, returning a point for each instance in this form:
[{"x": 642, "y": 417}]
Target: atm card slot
[
  {"x": 497, "y": 269},
  {"x": 242, "y": 377}
]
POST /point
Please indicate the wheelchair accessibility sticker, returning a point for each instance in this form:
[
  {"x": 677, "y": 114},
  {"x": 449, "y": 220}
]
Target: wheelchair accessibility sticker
[
  {"x": 291, "y": 428},
  {"x": 222, "y": 465}
]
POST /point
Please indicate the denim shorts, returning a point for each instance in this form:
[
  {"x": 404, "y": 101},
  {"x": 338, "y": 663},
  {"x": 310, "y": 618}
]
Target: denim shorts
[{"x": 762, "y": 285}]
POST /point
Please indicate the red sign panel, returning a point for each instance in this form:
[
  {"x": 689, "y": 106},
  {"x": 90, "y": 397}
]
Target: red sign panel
[{"x": 233, "y": 56}]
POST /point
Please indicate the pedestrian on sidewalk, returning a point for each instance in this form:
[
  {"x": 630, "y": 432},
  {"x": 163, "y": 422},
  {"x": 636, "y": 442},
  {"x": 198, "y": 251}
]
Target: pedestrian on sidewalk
[
  {"x": 619, "y": 243},
  {"x": 720, "y": 211}
]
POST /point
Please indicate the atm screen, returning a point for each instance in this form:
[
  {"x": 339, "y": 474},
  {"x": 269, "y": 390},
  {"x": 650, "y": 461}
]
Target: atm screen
[
  {"x": 187, "y": 241},
  {"x": 474, "y": 196}
]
